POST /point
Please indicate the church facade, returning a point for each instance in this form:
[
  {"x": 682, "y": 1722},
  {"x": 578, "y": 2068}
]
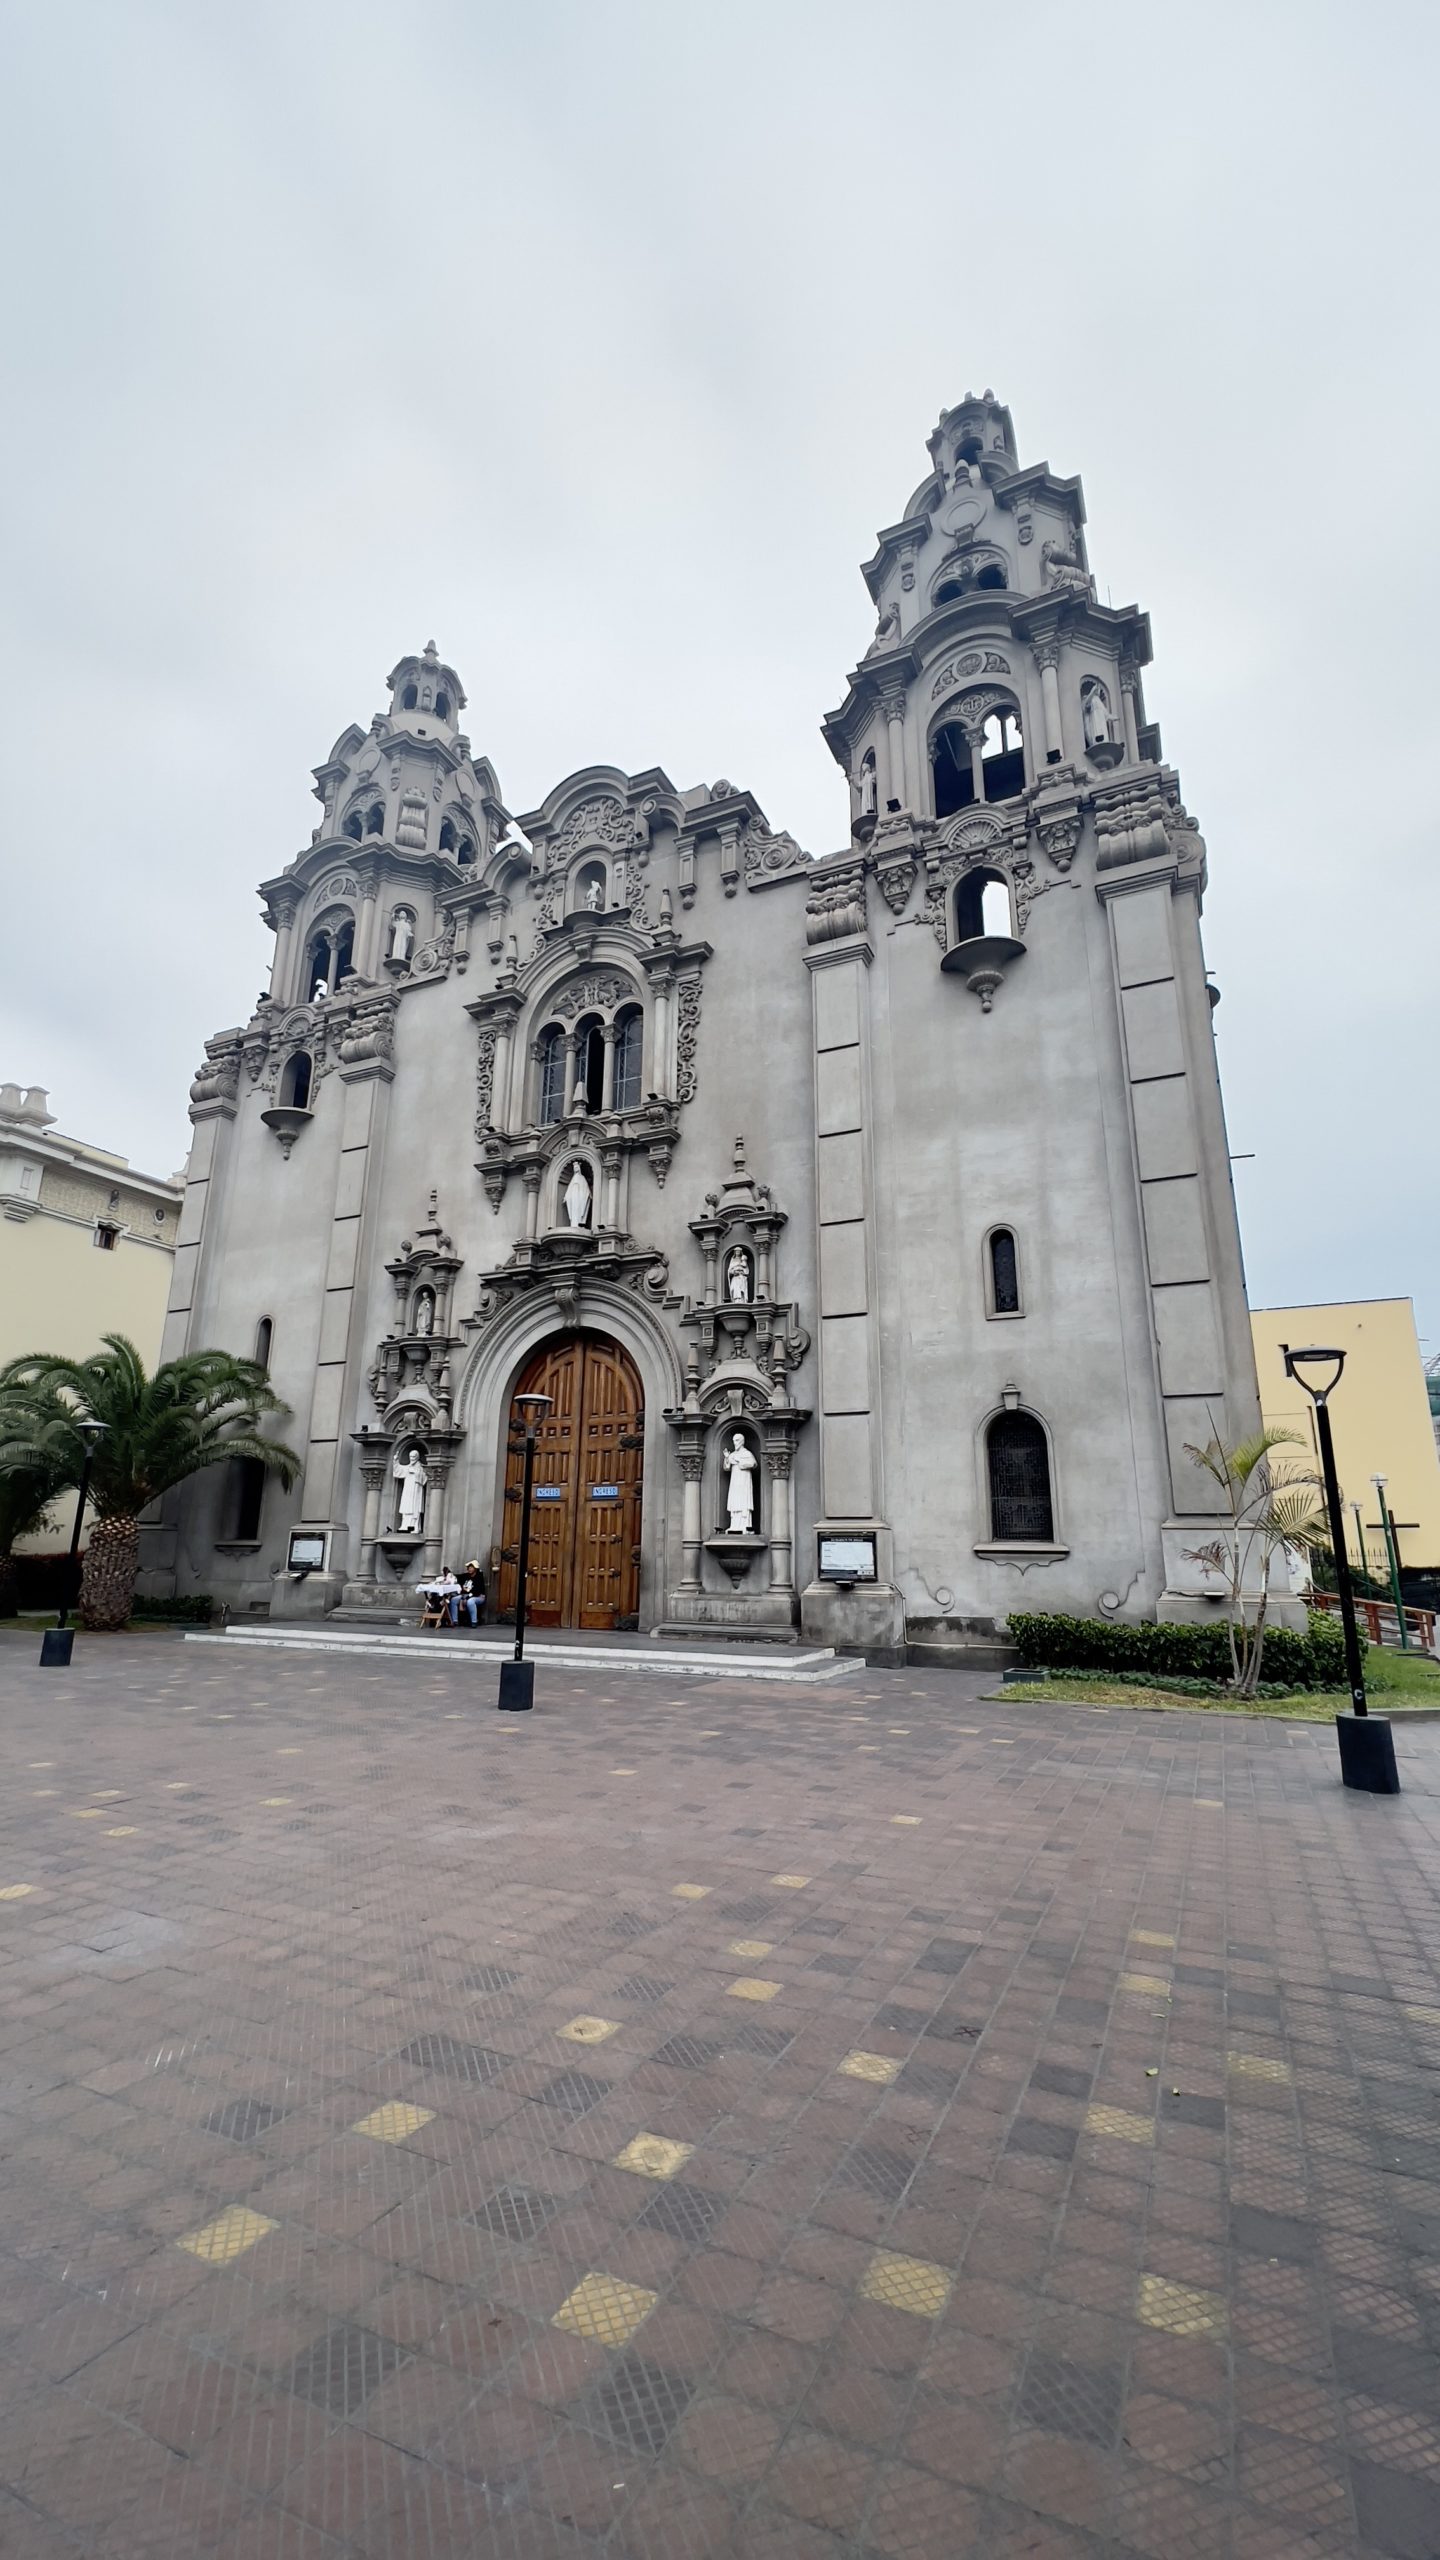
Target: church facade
[{"x": 867, "y": 1219}]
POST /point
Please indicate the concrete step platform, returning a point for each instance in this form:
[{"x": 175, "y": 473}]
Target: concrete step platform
[{"x": 814, "y": 1668}]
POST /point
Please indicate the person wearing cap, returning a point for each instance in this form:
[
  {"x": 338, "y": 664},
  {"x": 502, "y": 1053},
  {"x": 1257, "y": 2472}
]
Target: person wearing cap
[{"x": 472, "y": 1592}]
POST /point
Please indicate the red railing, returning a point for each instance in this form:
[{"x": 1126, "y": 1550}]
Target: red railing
[{"x": 1379, "y": 1620}]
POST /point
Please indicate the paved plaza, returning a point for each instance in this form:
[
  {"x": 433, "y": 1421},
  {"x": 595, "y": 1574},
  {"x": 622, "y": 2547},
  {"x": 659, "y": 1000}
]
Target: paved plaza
[{"x": 705, "y": 2119}]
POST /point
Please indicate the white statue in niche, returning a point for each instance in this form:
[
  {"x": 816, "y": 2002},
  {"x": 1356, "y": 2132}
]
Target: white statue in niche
[
  {"x": 410, "y": 1475},
  {"x": 1097, "y": 717},
  {"x": 739, "y": 1467},
  {"x": 402, "y": 934},
  {"x": 595, "y": 896},
  {"x": 867, "y": 787},
  {"x": 576, "y": 1197},
  {"x": 425, "y": 1312},
  {"x": 737, "y": 1278}
]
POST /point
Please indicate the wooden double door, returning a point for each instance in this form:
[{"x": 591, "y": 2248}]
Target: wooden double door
[{"x": 585, "y": 1511}]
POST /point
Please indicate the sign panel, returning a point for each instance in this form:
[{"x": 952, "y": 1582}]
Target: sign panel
[
  {"x": 307, "y": 1550},
  {"x": 604, "y": 1493},
  {"x": 548, "y": 1493},
  {"x": 847, "y": 1559}
]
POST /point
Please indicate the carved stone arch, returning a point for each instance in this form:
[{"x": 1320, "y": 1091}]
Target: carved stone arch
[
  {"x": 966, "y": 571},
  {"x": 1011, "y": 1401},
  {"x": 972, "y": 708}
]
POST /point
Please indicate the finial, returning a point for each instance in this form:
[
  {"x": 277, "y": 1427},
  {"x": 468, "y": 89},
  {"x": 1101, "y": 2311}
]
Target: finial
[
  {"x": 740, "y": 1166},
  {"x": 430, "y": 649},
  {"x": 434, "y": 1205}
]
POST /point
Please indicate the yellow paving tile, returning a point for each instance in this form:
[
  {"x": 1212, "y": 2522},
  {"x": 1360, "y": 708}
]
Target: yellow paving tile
[
  {"x": 751, "y": 1947},
  {"x": 589, "y": 2030},
  {"x": 651, "y": 2156},
  {"x": 228, "y": 2236},
  {"x": 1119, "y": 2124},
  {"x": 897, "y": 1728},
  {"x": 604, "y": 2308},
  {"x": 44, "y": 1791},
  {"x": 690, "y": 1892},
  {"x": 907, "y": 2284},
  {"x": 1259, "y": 2066},
  {"x": 870, "y": 2066},
  {"x": 1209, "y": 1804},
  {"x": 624, "y": 1773},
  {"x": 908, "y": 1819},
  {"x": 394, "y": 2123},
  {"x": 120, "y": 1831},
  {"x": 288, "y": 1750},
  {"x": 748, "y": 1988},
  {"x": 1150, "y": 1983},
  {"x": 87, "y": 1812},
  {"x": 1184, "y": 2309},
  {"x": 868, "y": 1746},
  {"x": 15, "y": 1892},
  {"x": 277, "y": 1799},
  {"x": 39, "y": 1764},
  {"x": 1423, "y": 2017},
  {"x": 794, "y": 1882},
  {"x": 1150, "y": 1938},
  {"x": 106, "y": 1795}
]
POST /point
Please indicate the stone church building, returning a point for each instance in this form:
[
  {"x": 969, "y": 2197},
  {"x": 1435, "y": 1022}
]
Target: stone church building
[{"x": 867, "y": 1218}]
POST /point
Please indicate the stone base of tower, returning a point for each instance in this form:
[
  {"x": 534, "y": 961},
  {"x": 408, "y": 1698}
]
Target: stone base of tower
[{"x": 868, "y": 1618}]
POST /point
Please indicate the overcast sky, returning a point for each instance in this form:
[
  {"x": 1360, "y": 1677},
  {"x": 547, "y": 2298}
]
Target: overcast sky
[{"x": 596, "y": 342}]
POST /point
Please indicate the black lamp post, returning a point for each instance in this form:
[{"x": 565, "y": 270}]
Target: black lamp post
[
  {"x": 517, "y": 1677},
  {"x": 58, "y": 1642},
  {"x": 1367, "y": 1746}
]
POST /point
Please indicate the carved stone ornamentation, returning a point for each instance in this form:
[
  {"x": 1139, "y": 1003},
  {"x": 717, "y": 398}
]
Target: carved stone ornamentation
[
  {"x": 687, "y": 1039},
  {"x": 975, "y": 662},
  {"x": 1061, "y": 567},
  {"x": 597, "y": 993},
  {"x": 485, "y": 1085},
  {"x": 764, "y": 851},
  {"x": 838, "y": 907},
  {"x": 217, "y": 1079},
  {"x": 604, "y": 821},
  {"x": 895, "y": 881}
]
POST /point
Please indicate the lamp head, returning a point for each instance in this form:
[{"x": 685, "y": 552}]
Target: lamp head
[
  {"x": 1319, "y": 1387},
  {"x": 92, "y": 1432},
  {"x": 533, "y": 1409}
]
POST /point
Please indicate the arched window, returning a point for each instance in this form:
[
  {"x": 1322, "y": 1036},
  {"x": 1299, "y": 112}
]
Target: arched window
[
  {"x": 442, "y": 706},
  {"x": 264, "y": 1337},
  {"x": 590, "y": 1062},
  {"x": 629, "y": 1047},
  {"x": 318, "y": 957},
  {"x": 552, "y": 1075},
  {"x": 991, "y": 576},
  {"x": 1002, "y": 757},
  {"x": 344, "y": 953},
  {"x": 949, "y": 592},
  {"x": 465, "y": 850},
  {"x": 375, "y": 821},
  {"x": 409, "y": 698},
  {"x": 952, "y": 770},
  {"x": 982, "y": 905},
  {"x": 1003, "y": 1272},
  {"x": 1019, "y": 1467},
  {"x": 296, "y": 1081},
  {"x": 354, "y": 826},
  {"x": 248, "y": 1497},
  {"x": 447, "y": 837}
]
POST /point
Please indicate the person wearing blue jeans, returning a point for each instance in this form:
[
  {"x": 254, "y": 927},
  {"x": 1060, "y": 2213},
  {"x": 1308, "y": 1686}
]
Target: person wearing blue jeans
[{"x": 472, "y": 1593}]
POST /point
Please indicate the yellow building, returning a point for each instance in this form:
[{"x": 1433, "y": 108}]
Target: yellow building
[
  {"x": 86, "y": 1245},
  {"x": 1379, "y": 1413}
]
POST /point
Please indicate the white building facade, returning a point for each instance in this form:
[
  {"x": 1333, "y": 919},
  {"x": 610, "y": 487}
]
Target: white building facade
[{"x": 867, "y": 1219}]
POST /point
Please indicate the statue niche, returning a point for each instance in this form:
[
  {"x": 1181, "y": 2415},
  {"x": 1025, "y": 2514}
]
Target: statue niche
[{"x": 412, "y": 1479}]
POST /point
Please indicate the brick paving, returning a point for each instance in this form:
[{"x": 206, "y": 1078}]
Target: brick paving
[{"x": 703, "y": 2120}]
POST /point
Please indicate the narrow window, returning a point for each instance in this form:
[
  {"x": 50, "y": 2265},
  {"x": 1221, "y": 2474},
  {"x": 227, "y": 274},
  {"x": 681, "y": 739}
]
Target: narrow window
[
  {"x": 375, "y": 821},
  {"x": 317, "y": 973},
  {"x": 950, "y": 591},
  {"x": 353, "y": 826},
  {"x": 991, "y": 576},
  {"x": 409, "y": 698},
  {"x": 1019, "y": 1463},
  {"x": 295, "y": 1082},
  {"x": 465, "y": 850},
  {"x": 1002, "y": 757},
  {"x": 951, "y": 767},
  {"x": 1004, "y": 1274},
  {"x": 344, "y": 953},
  {"x": 249, "y": 1498},
  {"x": 552, "y": 1076},
  {"x": 590, "y": 1063},
  {"x": 629, "y": 1044},
  {"x": 447, "y": 838},
  {"x": 982, "y": 905},
  {"x": 105, "y": 1239},
  {"x": 442, "y": 706},
  {"x": 264, "y": 1336}
]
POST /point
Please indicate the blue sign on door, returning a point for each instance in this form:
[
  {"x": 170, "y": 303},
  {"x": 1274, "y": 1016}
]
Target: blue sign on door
[
  {"x": 549, "y": 1493},
  {"x": 604, "y": 1493}
]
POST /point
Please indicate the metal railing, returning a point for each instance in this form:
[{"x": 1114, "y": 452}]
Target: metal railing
[{"x": 1379, "y": 1621}]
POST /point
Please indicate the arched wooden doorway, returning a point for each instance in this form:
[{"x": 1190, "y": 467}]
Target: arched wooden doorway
[{"x": 585, "y": 1517}]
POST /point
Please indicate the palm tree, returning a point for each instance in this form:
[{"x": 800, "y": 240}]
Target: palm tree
[
  {"x": 1271, "y": 1508},
  {"x": 158, "y": 1429},
  {"x": 26, "y": 1492}
]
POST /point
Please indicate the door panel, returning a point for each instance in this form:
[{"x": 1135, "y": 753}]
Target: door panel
[{"x": 585, "y": 1516}]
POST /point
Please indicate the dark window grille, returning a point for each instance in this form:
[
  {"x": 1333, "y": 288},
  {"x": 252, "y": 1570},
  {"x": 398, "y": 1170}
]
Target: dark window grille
[
  {"x": 552, "y": 1077},
  {"x": 249, "y": 1496},
  {"x": 1004, "y": 1274},
  {"x": 1020, "y": 1505},
  {"x": 629, "y": 1040}
]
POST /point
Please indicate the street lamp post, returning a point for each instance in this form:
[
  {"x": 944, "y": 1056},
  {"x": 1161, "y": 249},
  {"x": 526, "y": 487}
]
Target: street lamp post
[
  {"x": 1392, "y": 1550},
  {"x": 517, "y": 1677},
  {"x": 58, "y": 1642},
  {"x": 1367, "y": 1746}
]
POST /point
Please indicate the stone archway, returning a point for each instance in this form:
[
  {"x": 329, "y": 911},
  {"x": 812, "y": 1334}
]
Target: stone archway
[{"x": 585, "y": 1523}]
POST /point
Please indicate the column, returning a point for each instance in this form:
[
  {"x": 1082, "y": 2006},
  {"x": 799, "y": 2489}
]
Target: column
[
  {"x": 692, "y": 1466},
  {"x": 1047, "y": 653},
  {"x": 610, "y": 1167},
  {"x": 895, "y": 750},
  {"x": 433, "y": 1551},
  {"x": 280, "y": 964},
  {"x": 607, "y": 1080},
  {"x": 571, "y": 1048},
  {"x": 500, "y": 1078},
  {"x": 1129, "y": 687},
  {"x": 372, "y": 1476},
  {"x": 975, "y": 740},
  {"x": 534, "y": 1174},
  {"x": 660, "y": 1041},
  {"x": 365, "y": 939},
  {"x": 777, "y": 1463}
]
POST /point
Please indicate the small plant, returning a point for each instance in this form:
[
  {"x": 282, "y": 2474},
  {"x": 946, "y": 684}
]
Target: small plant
[{"x": 1163, "y": 1648}]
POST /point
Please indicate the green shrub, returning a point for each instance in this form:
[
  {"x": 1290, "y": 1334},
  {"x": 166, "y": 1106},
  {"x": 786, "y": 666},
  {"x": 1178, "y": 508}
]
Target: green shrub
[
  {"x": 192, "y": 1608},
  {"x": 1315, "y": 1660}
]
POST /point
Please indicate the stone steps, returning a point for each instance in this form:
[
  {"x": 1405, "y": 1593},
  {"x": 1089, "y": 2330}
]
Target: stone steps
[{"x": 813, "y": 1668}]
